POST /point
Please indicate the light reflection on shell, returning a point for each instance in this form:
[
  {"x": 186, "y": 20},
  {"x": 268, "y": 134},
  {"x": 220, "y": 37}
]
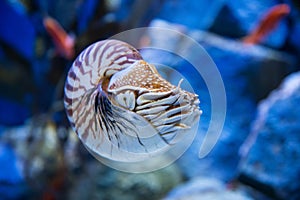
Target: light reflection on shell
[{"x": 121, "y": 108}]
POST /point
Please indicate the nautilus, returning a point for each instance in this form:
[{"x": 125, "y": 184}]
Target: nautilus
[{"x": 120, "y": 106}]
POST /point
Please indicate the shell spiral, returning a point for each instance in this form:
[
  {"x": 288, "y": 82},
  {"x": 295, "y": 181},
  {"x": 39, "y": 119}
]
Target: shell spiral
[{"x": 121, "y": 107}]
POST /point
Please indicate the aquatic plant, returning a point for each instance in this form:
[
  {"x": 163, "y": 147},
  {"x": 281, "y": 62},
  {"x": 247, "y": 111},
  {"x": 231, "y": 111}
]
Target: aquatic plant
[{"x": 267, "y": 23}]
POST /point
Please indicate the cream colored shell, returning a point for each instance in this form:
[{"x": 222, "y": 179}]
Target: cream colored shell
[{"x": 121, "y": 107}]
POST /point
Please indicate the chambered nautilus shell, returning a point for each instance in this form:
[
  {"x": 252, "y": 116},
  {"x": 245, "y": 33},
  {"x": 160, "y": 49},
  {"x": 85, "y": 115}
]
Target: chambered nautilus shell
[{"x": 121, "y": 107}]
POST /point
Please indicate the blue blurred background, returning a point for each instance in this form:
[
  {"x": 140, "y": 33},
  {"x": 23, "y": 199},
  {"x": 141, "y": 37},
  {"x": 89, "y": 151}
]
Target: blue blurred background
[{"x": 256, "y": 47}]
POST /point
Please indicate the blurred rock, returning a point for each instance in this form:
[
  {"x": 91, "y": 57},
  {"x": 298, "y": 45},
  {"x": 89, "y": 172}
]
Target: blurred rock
[
  {"x": 248, "y": 15},
  {"x": 233, "y": 27},
  {"x": 249, "y": 73},
  {"x": 45, "y": 161},
  {"x": 41, "y": 161},
  {"x": 227, "y": 18},
  {"x": 205, "y": 189},
  {"x": 271, "y": 155},
  {"x": 12, "y": 183},
  {"x": 194, "y": 14},
  {"x": 99, "y": 182}
]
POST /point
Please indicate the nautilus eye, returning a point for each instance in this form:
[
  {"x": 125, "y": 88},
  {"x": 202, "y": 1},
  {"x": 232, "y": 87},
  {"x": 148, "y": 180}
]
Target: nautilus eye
[{"x": 119, "y": 105}]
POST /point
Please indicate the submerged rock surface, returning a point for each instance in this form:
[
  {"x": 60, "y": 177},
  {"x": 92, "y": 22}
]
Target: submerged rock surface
[
  {"x": 205, "y": 189},
  {"x": 271, "y": 155}
]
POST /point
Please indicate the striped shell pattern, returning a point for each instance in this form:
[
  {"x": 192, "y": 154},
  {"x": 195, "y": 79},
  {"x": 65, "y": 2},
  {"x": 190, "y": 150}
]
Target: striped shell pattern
[{"x": 120, "y": 106}]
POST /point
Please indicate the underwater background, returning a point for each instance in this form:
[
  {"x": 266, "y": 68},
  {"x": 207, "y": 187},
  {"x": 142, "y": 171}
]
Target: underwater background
[{"x": 255, "y": 45}]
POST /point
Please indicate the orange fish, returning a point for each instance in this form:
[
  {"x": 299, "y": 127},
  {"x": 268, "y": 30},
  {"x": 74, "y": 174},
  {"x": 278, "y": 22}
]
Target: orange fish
[
  {"x": 63, "y": 42},
  {"x": 267, "y": 24}
]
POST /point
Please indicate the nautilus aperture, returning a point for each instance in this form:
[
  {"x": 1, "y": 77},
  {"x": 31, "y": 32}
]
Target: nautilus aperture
[{"x": 121, "y": 108}]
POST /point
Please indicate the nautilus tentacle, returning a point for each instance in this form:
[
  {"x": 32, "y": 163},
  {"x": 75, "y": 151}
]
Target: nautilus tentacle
[{"x": 119, "y": 105}]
